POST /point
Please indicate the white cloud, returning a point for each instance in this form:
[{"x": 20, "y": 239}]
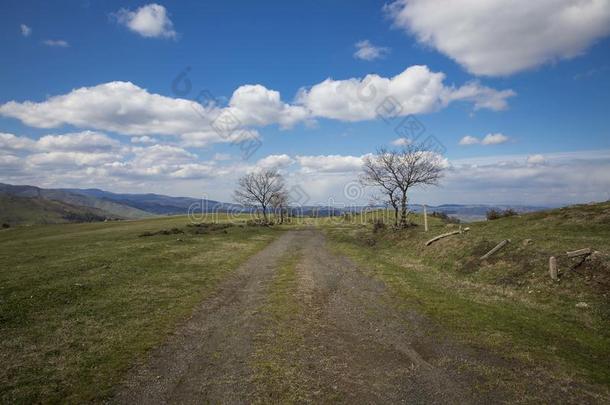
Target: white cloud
[
  {"x": 11, "y": 142},
  {"x": 143, "y": 139},
  {"x": 25, "y": 30},
  {"x": 127, "y": 109},
  {"x": 416, "y": 90},
  {"x": 365, "y": 50},
  {"x": 489, "y": 139},
  {"x": 469, "y": 140},
  {"x": 115, "y": 106},
  {"x": 65, "y": 159},
  {"x": 203, "y": 139},
  {"x": 56, "y": 43},
  {"x": 502, "y": 37},
  {"x": 259, "y": 106},
  {"x": 402, "y": 142},
  {"x": 275, "y": 161},
  {"x": 494, "y": 139},
  {"x": 150, "y": 21},
  {"x": 87, "y": 141},
  {"x": 536, "y": 160},
  {"x": 330, "y": 163}
]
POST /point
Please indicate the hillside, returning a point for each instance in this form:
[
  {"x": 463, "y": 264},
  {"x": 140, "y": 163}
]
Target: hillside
[
  {"x": 507, "y": 302},
  {"x": 109, "y": 208},
  {"x": 34, "y": 210}
]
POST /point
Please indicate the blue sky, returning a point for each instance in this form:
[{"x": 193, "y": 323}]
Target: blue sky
[{"x": 547, "y": 80}]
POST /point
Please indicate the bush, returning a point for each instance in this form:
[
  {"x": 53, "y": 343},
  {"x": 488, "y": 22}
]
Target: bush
[
  {"x": 378, "y": 225},
  {"x": 5, "y": 226},
  {"x": 446, "y": 218},
  {"x": 496, "y": 214}
]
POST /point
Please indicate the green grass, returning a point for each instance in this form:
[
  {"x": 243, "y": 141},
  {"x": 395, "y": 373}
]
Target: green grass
[
  {"x": 80, "y": 303},
  {"x": 508, "y": 303}
]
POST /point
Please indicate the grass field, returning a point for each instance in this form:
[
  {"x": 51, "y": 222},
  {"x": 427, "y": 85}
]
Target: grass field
[
  {"x": 508, "y": 302},
  {"x": 80, "y": 303}
]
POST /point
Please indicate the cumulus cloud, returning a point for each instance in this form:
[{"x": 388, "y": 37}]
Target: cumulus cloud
[
  {"x": 275, "y": 161},
  {"x": 402, "y": 142},
  {"x": 115, "y": 106},
  {"x": 536, "y": 160},
  {"x": 414, "y": 91},
  {"x": 365, "y": 50},
  {"x": 502, "y": 37},
  {"x": 469, "y": 140},
  {"x": 259, "y": 106},
  {"x": 127, "y": 109},
  {"x": 149, "y": 21},
  {"x": 61, "y": 159},
  {"x": 10, "y": 142},
  {"x": 494, "y": 139},
  {"x": 330, "y": 163},
  {"x": 489, "y": 139},
  {"x": 56, "y": 43},
  {"x": 87, "y": 141},
  {"x": 25, "y": 30}
]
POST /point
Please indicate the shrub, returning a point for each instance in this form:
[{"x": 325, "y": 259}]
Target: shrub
[
  {"x": 378, "y": 225},
  {"x": 495, "y": 214},
  {"x": 5, "y": 226},
  {"x": 446, "y": 218}
]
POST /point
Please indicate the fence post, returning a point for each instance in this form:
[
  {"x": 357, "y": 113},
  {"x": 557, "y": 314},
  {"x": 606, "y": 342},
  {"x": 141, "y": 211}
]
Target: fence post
[{"x": 425, "y": 219}]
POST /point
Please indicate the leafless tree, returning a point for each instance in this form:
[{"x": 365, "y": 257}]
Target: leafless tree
[
  {"x": 279, "y": 203},
  {"x": 259, "y": 188},
  {"x": 378, "y": 171},
  {"x": 394, "y": 172}
]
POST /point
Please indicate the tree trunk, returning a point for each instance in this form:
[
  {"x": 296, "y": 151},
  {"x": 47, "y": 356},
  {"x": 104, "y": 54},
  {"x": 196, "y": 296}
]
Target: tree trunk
[
  {"x": 265, "y": 214},
  {"x": 395, "y": 215},
  {"x": 403, "y": 211}
]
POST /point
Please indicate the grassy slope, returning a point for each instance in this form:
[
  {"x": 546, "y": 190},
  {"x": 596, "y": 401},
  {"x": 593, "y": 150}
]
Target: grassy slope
[
  {"x": 509, "y": 302},
  {"x": 79, "y": 303},
  {"x": 27, "y": 211}
]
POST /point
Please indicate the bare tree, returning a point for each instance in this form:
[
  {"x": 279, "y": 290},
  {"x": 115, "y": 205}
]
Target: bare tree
[
  {"x": 259, "y": 188},
  {"x": 279, "y": 203},
  {"x": 378, "y": 171},
  {"x": 394, "y": 172}
]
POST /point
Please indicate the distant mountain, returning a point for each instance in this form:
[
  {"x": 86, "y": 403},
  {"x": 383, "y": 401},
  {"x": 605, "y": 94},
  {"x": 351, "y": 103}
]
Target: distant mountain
[
  {"x": 110, "y": 208},
  {"x": 104, "y": 204},
  {"x": 96, "y": 203},
  {"x": 155, "y": 203},
  {"x": 16, "y": 210}
]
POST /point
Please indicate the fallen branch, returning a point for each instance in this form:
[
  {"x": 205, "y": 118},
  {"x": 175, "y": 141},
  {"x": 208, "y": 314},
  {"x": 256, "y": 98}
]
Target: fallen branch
[
  {"x": 446, "y": 234},
  {"x": 495, "y": 249},
  {"x": 579, "y": 252}
]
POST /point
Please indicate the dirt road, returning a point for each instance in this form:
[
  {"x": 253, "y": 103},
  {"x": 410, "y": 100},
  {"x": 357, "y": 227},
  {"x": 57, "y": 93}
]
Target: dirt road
[{"x": 297, "y": 323}]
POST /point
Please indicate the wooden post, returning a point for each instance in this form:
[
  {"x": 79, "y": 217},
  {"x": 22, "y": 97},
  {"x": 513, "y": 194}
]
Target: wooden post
[
  {"x": 553, "y": 268},
  {"x": 425, "y": 219},
  {"x": 495, "y": 249}
]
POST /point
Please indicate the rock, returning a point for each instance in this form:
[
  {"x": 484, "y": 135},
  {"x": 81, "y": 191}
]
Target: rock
[
  {"x": 582, "y": 305},
  {"x": 527, "y": 242}
]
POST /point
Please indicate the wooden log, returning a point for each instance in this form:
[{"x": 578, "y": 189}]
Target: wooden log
[
  {"x": 495, "y": 249},
  {"x": 444, "y": 235},
  {"x": 553, "y": 268},
  {"x": 579, "y": 252}
]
